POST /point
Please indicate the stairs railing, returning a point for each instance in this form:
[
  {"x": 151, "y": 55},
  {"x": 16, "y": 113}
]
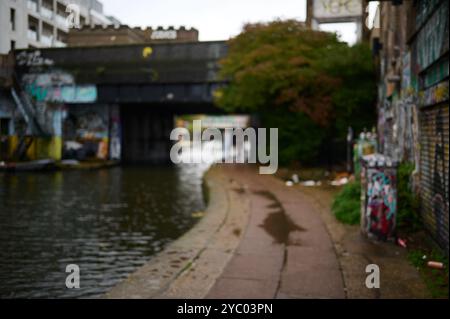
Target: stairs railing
[{"x": 26, "y": 108}]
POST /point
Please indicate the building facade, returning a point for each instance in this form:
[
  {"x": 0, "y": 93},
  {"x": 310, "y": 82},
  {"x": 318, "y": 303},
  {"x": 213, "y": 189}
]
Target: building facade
[
  {"x": 410, "y": 44},
  {"x": 122, "y": 34},
  {"x": 43, "y": 23}
]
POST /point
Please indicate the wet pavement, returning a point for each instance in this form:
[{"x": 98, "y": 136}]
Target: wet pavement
[
  {"x": 261, "y": 239},
  {"x": 285, "y": 251},
  {"x": 108, "y": 221}
]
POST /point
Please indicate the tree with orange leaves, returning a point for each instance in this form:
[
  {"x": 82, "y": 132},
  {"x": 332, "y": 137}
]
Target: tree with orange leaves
[{"x": 306, "y": 82}]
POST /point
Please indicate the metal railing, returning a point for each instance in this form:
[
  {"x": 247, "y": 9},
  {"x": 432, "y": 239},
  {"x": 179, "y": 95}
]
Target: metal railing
[
  {"x": 32, "y": 35},
  {"x": 32, "y": 6},
  {"x": 47, "y": 40},
  {"x": 46, "y": 13},
  {"x": 26, "y": 108},
  {"x": 61, "y": 21}
]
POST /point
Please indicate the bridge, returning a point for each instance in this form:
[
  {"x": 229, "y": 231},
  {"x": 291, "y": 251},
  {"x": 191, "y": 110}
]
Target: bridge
[{"x": 116, "y": 102}]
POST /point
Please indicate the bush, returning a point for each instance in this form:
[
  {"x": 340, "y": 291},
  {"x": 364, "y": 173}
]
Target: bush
[
  {"x": 347, "y": 204},
  {"x": 298, "y": 137},
  {"x": 408, "y": 217}
]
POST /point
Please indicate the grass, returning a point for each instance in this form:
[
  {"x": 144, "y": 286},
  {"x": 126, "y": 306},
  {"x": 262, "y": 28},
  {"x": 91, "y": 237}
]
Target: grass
[
  {"x": 347, "y": 204},
  {"x": 435, "y": 279}
]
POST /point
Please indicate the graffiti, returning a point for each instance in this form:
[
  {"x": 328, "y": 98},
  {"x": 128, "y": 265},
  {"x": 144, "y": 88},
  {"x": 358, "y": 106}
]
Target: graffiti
[
  {"x": 432, "y": 40},
  {"x": 79, "y": 94},
  {"x": 86, "y": 132},
  {"x": 406, "y": 72},
  {"x": 366, "y": 144},
  {"x": 424, "y": 8},
  {"x": 436, "y": 73},
  {"x": 63, "y": 94},
  {"x": 434, "y": 135},
  {"x": 57, "y": 86},
  {"x": 434, "y": 95},
  {"x": 54, "y": 78},
  {"x": 102, "y": 150},
  {"x": 404, "y": 130},
  {"x": 115, "y": 147},
  {"x": 33, "y": 58},
  {"x": 381, "y": 202},
  {"x": 92, "y": 125},
  {"x": 440, "y": 198}
]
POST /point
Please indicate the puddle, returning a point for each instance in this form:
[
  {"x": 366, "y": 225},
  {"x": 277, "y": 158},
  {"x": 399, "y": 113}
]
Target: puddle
[{"x": 278, "y": 224}]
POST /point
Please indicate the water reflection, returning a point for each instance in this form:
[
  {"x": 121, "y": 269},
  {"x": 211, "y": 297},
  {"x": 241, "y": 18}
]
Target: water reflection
[{"x": 107, "y": 221}]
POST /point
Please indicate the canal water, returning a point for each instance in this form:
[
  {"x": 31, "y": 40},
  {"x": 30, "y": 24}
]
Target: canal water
[{"x": 108, "y": 222}]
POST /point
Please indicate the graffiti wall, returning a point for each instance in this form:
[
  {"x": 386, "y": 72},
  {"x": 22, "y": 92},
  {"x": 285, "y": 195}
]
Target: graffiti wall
[
  {"x": 86, "y": 132},
  {"x": 68, "y": 110},
  {"x": 430, "y": 63},
  {"x": 434, "y": 171},
  {"x": 413, "y": 101},
  {"x": 432, "y": 40},
  {"x": 58, "y": 86}
]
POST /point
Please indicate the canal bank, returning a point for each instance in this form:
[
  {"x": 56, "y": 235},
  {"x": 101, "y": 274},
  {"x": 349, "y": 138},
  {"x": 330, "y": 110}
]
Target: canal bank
[
  {"x": 261, "y": 239},
  {"x": 189, "y": 266},
  {"x": 52, "y": 165}
]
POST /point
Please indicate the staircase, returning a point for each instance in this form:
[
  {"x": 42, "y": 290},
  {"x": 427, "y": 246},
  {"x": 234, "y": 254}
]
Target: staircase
[{"x": 25, "y": 106}]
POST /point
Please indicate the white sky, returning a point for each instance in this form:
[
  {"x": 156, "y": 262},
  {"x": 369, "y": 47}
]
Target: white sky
[{"x": 215, "y": 19}]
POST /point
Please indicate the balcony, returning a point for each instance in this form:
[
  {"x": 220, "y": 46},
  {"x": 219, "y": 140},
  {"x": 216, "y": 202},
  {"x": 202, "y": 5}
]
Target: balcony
[
  {"x": 47, "y": 13},
  {"x": 32, "y": 6},
  {"x": 32, "y": 35},
  {"x": 61, "y": 20},
  {"x": 47, "y": 40}
]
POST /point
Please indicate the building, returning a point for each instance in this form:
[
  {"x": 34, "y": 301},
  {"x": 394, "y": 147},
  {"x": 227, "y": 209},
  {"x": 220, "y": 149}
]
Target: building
[
  {"x": 123, "y": 34},
  {"x": 410, "y": 45},
  {"x": 43, "y": 23},
  {"x": 326, "y": 15}
]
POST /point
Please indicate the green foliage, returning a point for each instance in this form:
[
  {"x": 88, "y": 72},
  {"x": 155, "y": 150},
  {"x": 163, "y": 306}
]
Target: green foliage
[
  {"x": 301, "y": 78},
  {"x": 435, "y": 279},
  {"x": 347, "y": 204},
  {"x": 408, "y": 217},
  {"x": 353, "y": 101},
  {"x": 298, "y": 137}
]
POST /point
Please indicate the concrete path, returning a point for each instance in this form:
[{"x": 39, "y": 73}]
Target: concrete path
[
  {"x": 262, "y": 239},
  {"x": 285, "y": 252}
]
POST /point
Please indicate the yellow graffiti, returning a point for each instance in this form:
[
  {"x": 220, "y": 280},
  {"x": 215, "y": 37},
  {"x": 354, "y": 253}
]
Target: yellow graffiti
[
  {"x": 441, "y": 93},
  {"x": 217, "y": 94},
  {"x": 146, "y": 52}
]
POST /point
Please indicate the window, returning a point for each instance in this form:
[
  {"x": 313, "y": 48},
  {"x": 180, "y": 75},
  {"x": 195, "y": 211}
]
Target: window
[
  {"x": 13, "y": 19},
  {"x": 13, "y": 45}
]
